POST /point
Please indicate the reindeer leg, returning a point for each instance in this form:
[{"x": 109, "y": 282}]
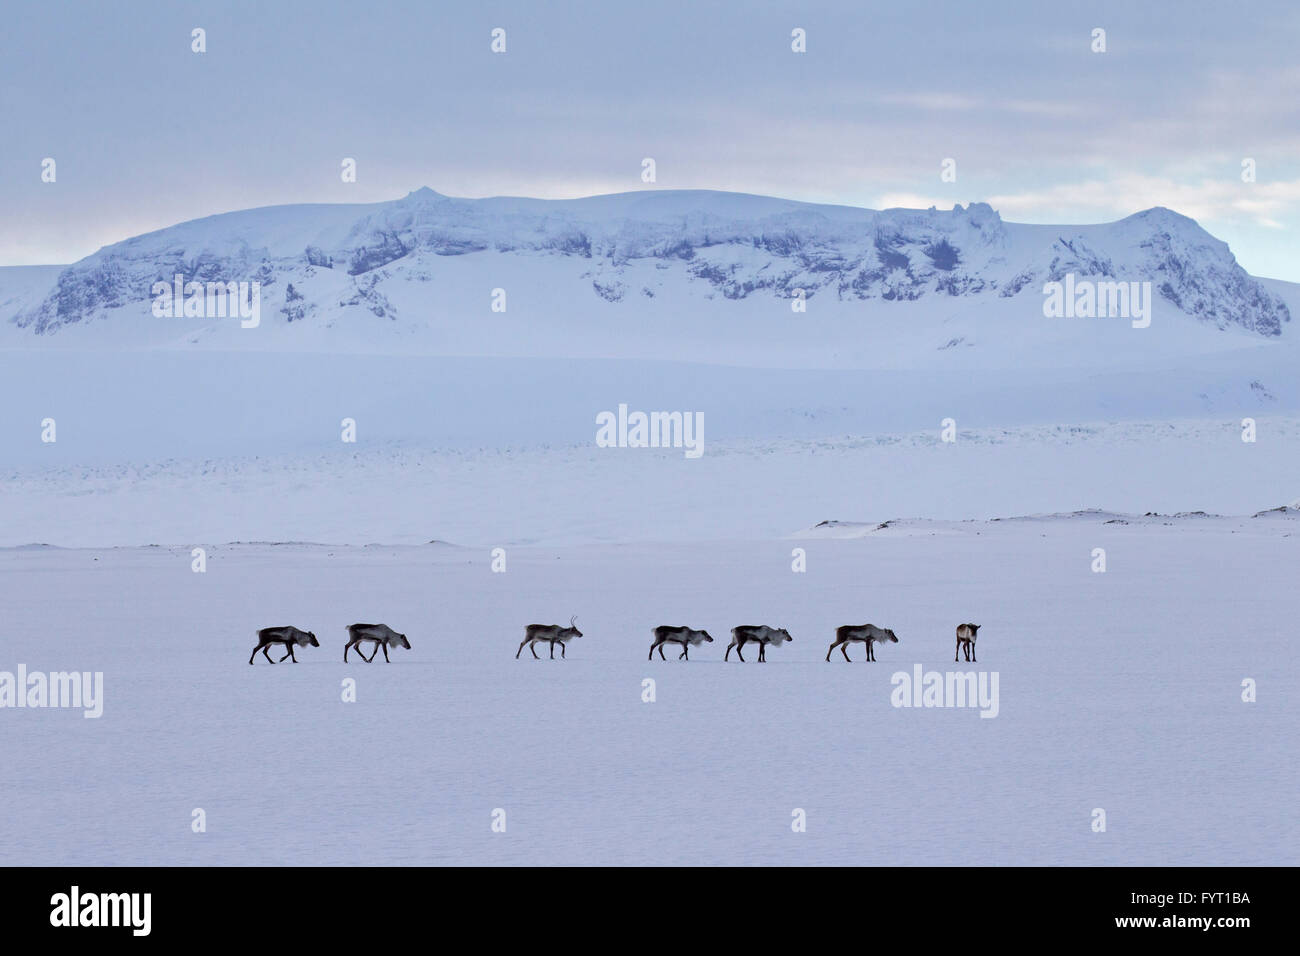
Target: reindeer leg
[
  {"x": 292, "y": 655},
  {"x": 957, "y": 651},
  {"x": 373, "y": 653},
  {"x": 651, "y": 655},
  {"x": 521, "y": 649},
  {"x": 254, "y": 654},
  {"x": 844, "y": 649},
  {"x": 685, "y": 649},
  {"x": 563, "y": 652},
  {"x": 972, "y": 653},
  {"x": 266, "y": 652},
  {"x": 385, "y": 647},
  {"x": 661, "y": 651},
  {"x": 532, "y": 647}
]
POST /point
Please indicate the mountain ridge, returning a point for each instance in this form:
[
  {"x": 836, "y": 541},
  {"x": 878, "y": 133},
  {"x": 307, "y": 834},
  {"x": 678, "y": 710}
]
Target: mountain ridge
[{"x": 735, "y": 246}]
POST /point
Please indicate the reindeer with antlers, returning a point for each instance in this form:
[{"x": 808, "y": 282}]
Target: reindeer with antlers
[{"x": 550, "y": 633}]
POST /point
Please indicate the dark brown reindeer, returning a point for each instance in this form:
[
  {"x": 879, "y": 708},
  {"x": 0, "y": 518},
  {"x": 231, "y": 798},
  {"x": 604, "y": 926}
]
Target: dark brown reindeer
[
  {"x": 867, "y": 634},
  {"x": 759, "y": 634},
  {"x": 551, "y": 633},
  {"x": 966, "y": 640},
  {"x": 381, "y": 635},
  {"x": 685, "y": 636},
  {"x": 286, "y": 636}
]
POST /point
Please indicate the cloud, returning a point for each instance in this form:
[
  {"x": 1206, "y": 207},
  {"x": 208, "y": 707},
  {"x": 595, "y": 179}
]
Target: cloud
[
  {"x": 1266, "y": 204},
  {"x": 938, "y": 100}
]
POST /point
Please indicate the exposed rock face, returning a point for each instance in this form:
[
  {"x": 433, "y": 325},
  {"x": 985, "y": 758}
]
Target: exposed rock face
[{"x": 736, "y": 246}]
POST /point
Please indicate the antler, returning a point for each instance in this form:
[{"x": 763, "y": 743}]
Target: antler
[{"x": 572, "y": 620}]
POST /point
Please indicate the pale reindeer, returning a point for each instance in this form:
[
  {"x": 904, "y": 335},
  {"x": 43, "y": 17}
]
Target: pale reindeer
[
  {"x": 381, "y": 635},
  {"x": 286, "y": 636},
  {"x": 760, "y": 634},
  {"x": 685, "y": 636},
  {"x": 551, "y": 633},
  {"x": 966, "y": 640},
  {"x": 867, "y": 634}
]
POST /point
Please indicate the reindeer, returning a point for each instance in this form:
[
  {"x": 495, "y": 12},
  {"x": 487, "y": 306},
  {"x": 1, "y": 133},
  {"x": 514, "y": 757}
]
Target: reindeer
[
  {"x": 966, "y": 638},
  {"x": 867, "y": 634},
  {"x": 288, "y": 636},
  {"x": 685, "y": 636},
  {"x": 381, "y": 635},
  {"x": 760, "y": 634},
  {"x": 551, "y": 633}
]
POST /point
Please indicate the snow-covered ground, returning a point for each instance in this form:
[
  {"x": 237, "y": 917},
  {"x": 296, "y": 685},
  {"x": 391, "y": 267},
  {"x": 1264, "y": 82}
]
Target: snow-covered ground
[
  {"x": 413, "y": 493},
  {"x": 1120, "y": 691}
]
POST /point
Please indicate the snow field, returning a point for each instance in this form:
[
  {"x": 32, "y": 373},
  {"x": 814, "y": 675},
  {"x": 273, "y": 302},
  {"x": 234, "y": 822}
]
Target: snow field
[{"x": 1119, "y": 690}]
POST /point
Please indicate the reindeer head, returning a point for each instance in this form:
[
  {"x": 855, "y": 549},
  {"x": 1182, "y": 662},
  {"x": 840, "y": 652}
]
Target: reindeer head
[
  {"x": 783, "y": 635},
  {"x": 405, "y": 643},
  {"x": 974, "y": 628},
  {"x": 893, "y": 638},
  {"x": 311, "y": 637},
  {"x": 572, "y": 629},
  {"x": 707, "y": 638}
]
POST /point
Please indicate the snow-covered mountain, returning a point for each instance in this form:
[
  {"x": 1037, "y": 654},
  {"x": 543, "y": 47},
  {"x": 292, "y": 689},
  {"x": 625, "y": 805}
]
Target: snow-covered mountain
[{"x": 652, "y": 274}]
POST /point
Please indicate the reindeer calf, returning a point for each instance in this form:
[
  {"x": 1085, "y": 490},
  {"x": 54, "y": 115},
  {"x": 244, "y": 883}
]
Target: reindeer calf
[{"x": 966, "y": 639}]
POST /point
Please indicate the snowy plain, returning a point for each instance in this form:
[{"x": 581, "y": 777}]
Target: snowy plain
[{"x": 1118, "y": 691}]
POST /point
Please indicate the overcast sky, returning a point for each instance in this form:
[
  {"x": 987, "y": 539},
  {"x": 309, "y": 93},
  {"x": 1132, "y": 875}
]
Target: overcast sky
[{"x": 146, "y": 133}]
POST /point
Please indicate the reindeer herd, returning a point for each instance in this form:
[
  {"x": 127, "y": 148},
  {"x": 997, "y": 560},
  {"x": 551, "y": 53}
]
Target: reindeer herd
[{"x": 383, "y": 637}]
